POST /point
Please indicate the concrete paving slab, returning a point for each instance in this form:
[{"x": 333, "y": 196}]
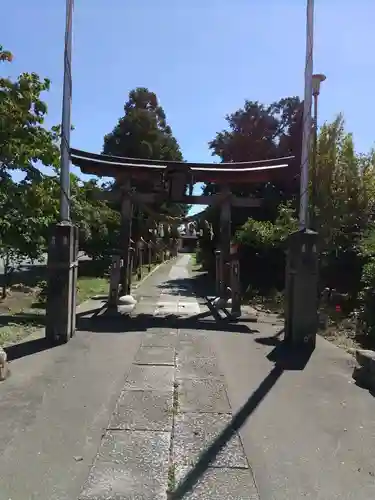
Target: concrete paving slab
[
  {"x": 203, "y": 396},
  {"x": 143, "y": 410},
  {"x": 195, "y": 432},
  {"x": 143, "y": 308},
  {"x": 164, "y": 338},
  {"x": 158, "y": 378},
  {"x": 190, "y": 336},
  {"x": 137, "y": 450},
  {"x": 221, "y": 484},
  {"x": 166, "y": 307},
  {"x": 188, "y": 308},
  {"x": 116, "y": 482},
  {"x": 196, "y": 367},
  {"x": 130, "y": 465},
  {"x": 155, "y": 356},
  {"x": 194, "y": 346}
]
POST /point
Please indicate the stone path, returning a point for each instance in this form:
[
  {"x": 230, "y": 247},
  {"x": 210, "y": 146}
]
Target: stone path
[{"x": 173, "y": 405}]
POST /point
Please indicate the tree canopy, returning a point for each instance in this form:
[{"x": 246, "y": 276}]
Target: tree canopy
[
  {"x": 24, "y": 140},
  {"x": 143, "y": 132},
  {"x": 260, "y": 132}
]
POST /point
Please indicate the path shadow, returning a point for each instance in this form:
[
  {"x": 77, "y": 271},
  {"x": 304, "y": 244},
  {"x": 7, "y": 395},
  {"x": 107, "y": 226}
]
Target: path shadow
[
  {"x": 273, "y": 340},
  {"x": 23, "y": 349},
  {"x": 115, "y": 322},
  {"x": 29, "y": 347},
  {"x": 284, "y": 359},
  {"x": 27, "y": 319},
  {"x": 181, "y": 286},
  {"x": 199, "y": 284}
]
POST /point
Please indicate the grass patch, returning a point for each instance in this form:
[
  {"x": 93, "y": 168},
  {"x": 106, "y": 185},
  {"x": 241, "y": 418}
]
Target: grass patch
[
  {"x": 14, "y": 333},
  {"x": 23, "y": 311},
  {"x": 89, "y": 287}
]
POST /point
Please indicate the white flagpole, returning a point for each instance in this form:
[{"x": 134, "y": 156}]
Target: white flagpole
[
  {"x": 307, "y": 121},
  {"x": 66, "y": 117}
]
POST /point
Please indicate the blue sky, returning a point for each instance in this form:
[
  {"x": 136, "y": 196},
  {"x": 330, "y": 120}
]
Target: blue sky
[{"x": 201, "y": 57}]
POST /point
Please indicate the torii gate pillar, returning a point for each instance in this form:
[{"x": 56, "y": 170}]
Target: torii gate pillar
[
  {"x": 126, "y": 225},
  {"x": 225, "y": 228}
]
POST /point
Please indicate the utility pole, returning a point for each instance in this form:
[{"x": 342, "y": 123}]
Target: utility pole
[
  {"x": 306, "y": 134},
  {"x": 63, "y": 245},
  {"x": 66, "y": 117}
]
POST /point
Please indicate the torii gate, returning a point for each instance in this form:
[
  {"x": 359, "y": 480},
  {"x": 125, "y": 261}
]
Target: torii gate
[{"x": 169, "y": 180}]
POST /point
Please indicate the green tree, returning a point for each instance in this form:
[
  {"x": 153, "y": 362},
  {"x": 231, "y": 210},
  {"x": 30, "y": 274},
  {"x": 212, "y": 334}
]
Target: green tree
[
  {"x": 99, "y": 223},
  {"x": 344, "y": 194},
  {"x": 27, "y": 208},
  {"x": 343, "y": 205},
  {"x": 260, "y": 132},
  {"x": 24, "y": 140},
  {"x": 143, "y": 132}
]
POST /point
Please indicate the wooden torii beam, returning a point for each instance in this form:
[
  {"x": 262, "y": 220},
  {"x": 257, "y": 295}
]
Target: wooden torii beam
[
  {"x": 151, "y": 198},
  {"x": 220, "y": 173}
]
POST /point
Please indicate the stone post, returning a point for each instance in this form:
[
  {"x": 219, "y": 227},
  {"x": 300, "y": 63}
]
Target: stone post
[
  {"x": 114, "y": 281},
  {"x": 301, "y": 290},
  {"x": 62, "y": 269}
]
